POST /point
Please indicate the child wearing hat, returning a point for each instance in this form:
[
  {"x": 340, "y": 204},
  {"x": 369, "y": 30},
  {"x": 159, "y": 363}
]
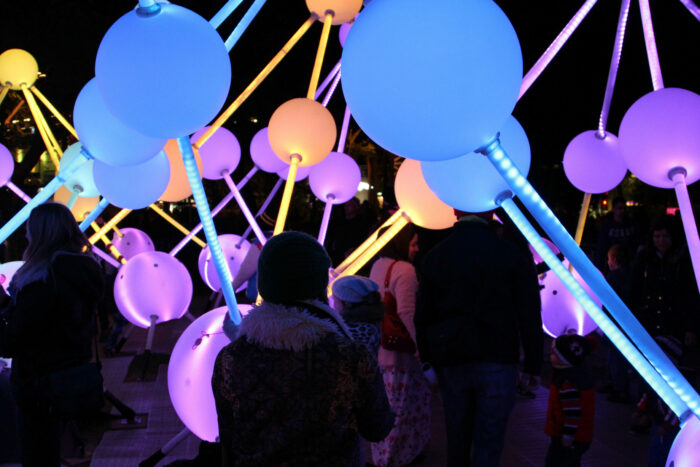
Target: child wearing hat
[
  {"x": 358, "y": 301},
  {"x": 571, "y": 402}
]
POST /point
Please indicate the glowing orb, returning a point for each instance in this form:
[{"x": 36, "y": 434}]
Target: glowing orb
[
  {"x": 221, "y": 152},
  {"x": 304, "y": 128},
  {"x": 343, "y": 33},
  {"x": 152, "y": 283},
  {"x": 659, "y": 133},
  {"x": 191, "y": 368},
  {"x": 133, "y": 186},
  {"x": 593, "y": 164},
  {"x": 234, "y": 257},
  {"x": 82, "y": 207},
  {"x": 82, "y": 181},
  {"x": 335, "y": 179},
  {"x": 7, "y": 165},
  {"x": 8, "y": 270},
  {"x": 431, "y": 80},
  {"x": 471, "y": 183},
  {"x": 421, "y": 204},
  {"x": 343, "y": 10},
  {"x": 178, "y": 186},
  {"x": 302, "y": 173},
  {"x": 18, "y": 68},
  {"x": 149, "y": 71},
  {"x": 685, "y": 448},
  {"x": 132, "y": 242},
  {"x": 262, "y": 154}
]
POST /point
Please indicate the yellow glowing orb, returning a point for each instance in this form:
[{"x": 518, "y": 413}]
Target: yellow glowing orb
[
  {"x": 82, "y": 206},
  {"x": 415, "y": 197},
  {"x": 342, "y": 10},
  {"x": 17, "y": 68}
]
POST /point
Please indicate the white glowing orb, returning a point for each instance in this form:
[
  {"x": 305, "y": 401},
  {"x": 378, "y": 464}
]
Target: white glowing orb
[{"x": 685, "y": 451}]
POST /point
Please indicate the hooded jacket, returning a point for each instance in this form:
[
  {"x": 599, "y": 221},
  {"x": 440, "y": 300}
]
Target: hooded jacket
[{"x": 294, "y": 389}]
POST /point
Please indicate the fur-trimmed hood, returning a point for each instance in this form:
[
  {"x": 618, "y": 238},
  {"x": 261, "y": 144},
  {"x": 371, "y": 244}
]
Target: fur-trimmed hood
[{"x": 282, "y": 327}]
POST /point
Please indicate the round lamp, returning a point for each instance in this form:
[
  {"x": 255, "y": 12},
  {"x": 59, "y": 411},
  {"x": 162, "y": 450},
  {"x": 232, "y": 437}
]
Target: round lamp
[
  {"x": 343, "y": 33},
  {"x": 342, "y": 10},
  {"x": 149, "y": 71},
  {"x": 178, "y": 186},
  {"x": 152, "y": 283},
  {"x": 7, "y": 165},
  {"x": 335, "y": 179},
  {"x": 660, "y": 133},
  {"x": 421, "y": 204},
  {"x": 191, "y": 368},
  {"x": 82, "y": 181},
  {"x": 133, "y": 186},
  {"x": 470, "y": 183},
  {"x": 132, "y": 242},
  {"x": 221, "y": 152},
  {"x": 82, "y": 206},
  {"x": 304, "y": 128},
  {"x": 234, "y": 257},
  {"x": 685, "y": 448},
  {"x": 431, "y": 80},
  {"x": 594, "y": 164},
  {"x": 17, "y": 68},
  {"x": 8, "y": 270},
  {"x": 262, "y": 154}
]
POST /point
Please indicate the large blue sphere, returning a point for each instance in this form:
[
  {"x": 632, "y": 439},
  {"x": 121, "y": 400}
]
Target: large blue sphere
[
  {"x": 431, "y": 79},
  {"x": 470, "y": 183},
  {"x": 165, "y": 75}
]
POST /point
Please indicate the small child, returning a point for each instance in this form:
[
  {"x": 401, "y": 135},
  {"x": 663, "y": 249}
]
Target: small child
[
  {"x": 358, "y": 301},
  {"x": 571, "y": 402}
]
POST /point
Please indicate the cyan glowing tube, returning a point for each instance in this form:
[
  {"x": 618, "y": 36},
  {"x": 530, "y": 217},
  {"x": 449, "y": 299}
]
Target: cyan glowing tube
[
  {"x": 617, "y": 308},
  {"x": 602, "y": 320},
  {"x": 331, "y": 76},
  {"x": 326, "y": 220},
  {"x": 331, "y": 90},
  {"x": 41, "y": 197},
  {"x": 652, "y": 54},
  {"x": 200, "y": 199},
  {"x": 94, "y": 214},
  {"x": 225, "y": 11},
  {"x": 614, "y": 65},
  {"x": 692, "y": 8},
  {"x": 243, "y": 24},
  {"x": 689, "y": 226}
]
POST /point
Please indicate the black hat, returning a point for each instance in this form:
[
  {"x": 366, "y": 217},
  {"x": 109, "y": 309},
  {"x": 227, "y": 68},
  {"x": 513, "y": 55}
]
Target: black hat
[{"x": 571, "y": 348}]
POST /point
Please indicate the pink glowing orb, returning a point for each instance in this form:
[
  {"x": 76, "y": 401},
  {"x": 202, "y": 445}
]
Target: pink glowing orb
[
  {"x": 152, "y": 283},
  {"x": 335, "y": 179},
  {"x": 685, "y": 448},
  {"x": 594, "y": 164},
  {"x": 536, "y": 256},
  {"x": 234, "y": 257},
  {"x": 262, "y": 154},
  {"x": 221, "y": 152},
  {"x": 302, "y": 173},
  {"x": 659, "y": 133},
  {"x": 561, "y": 313},
  {"x": 132, "y": 242},
  {"x": 7, "y": 165},
  {"x": 190, "y": 370},
  {"x": 8, "y": 270}
]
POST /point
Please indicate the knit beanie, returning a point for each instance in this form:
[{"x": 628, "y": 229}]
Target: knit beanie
[
  {"x": 571, "y": 348},
  {"x": 292, "y": 266},
  {"x": 353, "y": 289}
]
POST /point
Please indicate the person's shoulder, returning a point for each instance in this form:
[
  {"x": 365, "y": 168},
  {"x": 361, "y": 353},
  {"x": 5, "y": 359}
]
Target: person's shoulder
[{"x": 64, "y": 260}]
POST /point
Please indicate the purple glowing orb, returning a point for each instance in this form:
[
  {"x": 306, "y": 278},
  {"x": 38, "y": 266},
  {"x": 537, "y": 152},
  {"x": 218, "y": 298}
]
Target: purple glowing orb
[
  {"x": 132, "y": 242},
  {"x": 7, "y": 165},
  {"x": 221, "y": 152},
  {"x": 262, "y": 154},
  {"x": 335, "y": 179},
  {"x": 8, "y": 270},
  {"x": 594, "y": 164},
  {"x": 234, "y": 254},
  {"x": 302, "y": 173},
  {"x": 685, "y": 448}
]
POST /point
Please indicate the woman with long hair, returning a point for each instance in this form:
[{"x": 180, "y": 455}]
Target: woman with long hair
[{"x": 48, "y": 322}]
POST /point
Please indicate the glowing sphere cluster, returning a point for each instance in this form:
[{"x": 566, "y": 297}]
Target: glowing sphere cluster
[
  {"x": 431, "y": 80},
  {"x": 594, "y": 164},
  {"x": 262, "y": 154},
  {"x": 234, "y": 258},
  {"x": 133, "y": 186},
  {"x": 659, "y": 133},
  {"x": 343, "y": 10},
  {"x": 335, "y": 179},
  {"x": 470, "y": 183},
  {"x": 221, "y": 152},
  {"x": 7, "y": 165},
  {"x": 179, "y": 186},
  {"x": 414, "y": 196},
  {"x": 18, "y": 68},
  {"x": 82, "y": 180},
  {"x": 131, "y": 242}
]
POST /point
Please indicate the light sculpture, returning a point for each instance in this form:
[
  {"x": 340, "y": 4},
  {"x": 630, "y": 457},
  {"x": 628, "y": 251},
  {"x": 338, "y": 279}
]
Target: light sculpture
[
  {"x": 234, "y": 248},
  {"x": 220, "y": 153},
  {"x": 80, "y": 207},
  {"x": 178, "y": 187},
  {"x": 417, "y": 200},
  {"x": 130, "y": 242},
  {"x": 592, "y": 163},
  {"x": 81, "y": 182},
  {"x": 561, "y": 312},
  {"x": 18, "y": 68},
  {"x": 685, "y": 448},
  {"x": 262, "y": 154}
]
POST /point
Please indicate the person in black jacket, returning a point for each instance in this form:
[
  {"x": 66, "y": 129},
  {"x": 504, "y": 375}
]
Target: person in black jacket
[
  {"x": 478, "y": 301},
  {"x": 48, "y": 322}
]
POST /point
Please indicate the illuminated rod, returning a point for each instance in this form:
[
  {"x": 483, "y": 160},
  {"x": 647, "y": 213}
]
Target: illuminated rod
[
  {"x": 108, "y": 225},
  {"x": 221, "y": 119},
  {"x": 287, "y": 194},
  {"x": 225, "y": 11},
  {"x": 652, "y": 55},
  {"x": 41, "y": 197},
  {"x": 582, "y": 216},
  {"x": 243, "y": 24},
  {"x": 316, "y": 72},
  {"x": 331, "y": 76},
  {"x": 330, "y": 92},
  {"x": 108, "y": 244},
  {"x": 73, "y": 198},
  {"x": 55, "y": 112},
  {"x": 244, "y": 207},
  {"x": 39, "y": 120},
  {"x": 689, "y": 4},
  {"x": 106, "y": 257},
  {"x": 94, "y": 214},
  {"x": 344, "y": 130},
  {"x": 176, "y": 224},
  {"x": 645, "y": 369},
  {"x": 224, "y": 201},
  {"x": 691, "y": 230},
  {"x": 326, "y": 219},
  {"x": 366, "y": 244},
  {"x": 3, "y": 92},
  {"x": 590, "y": 274},
  {"x": 200, "y": 199},
  {"x": 614, "y": 65},
  {"x": 18, "y": 191},
  {"x": 554, "y": 47},
  {"x": 117, "y": 231},
  {"x": 264, "y": 206}
]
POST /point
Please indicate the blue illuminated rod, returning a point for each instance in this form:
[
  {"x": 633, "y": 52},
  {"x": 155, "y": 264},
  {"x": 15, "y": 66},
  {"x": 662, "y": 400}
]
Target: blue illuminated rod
[
  {"x": 41, "y": 197},
  {"x": 243, "y": 24},
  {"x": 590, "y": 274},
  {"x": 200, "y": 199},
  {"x": 645, "y": 369},
  {"x": 225, "y": 11},
  {"x": 94, "y": 214}
]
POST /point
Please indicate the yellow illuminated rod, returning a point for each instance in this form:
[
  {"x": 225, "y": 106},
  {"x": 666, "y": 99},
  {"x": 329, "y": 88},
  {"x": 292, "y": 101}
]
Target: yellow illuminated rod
[
  {"x": 361, "y": 249},
  {"x": 582, "y": 216},
  {"x": 40, "y": 123},
  {"x": 117, "y": 231},
  {"x": 110, "y": 246},
  {"x": 255, "y": 83},
  {"x": 316, "y": 73},
  {"x": 287, "y": 195},
  {"x": 55, "y": 112},
  {"x": 3, "y": 92},
  {"x": 110, "y": 223},
  {"x": 176, "y": 224}
]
